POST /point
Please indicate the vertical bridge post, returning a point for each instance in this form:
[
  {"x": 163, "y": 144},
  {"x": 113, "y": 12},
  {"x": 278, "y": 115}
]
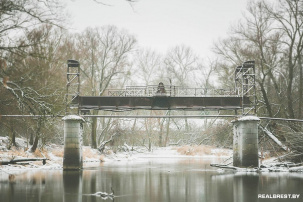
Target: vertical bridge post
[
  {"x": 245, "y": 142},
  {"x": 72, "y": 158}
]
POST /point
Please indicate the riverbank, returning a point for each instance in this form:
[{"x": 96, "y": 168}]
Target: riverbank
[
  {"x": 92, "y": 157},
  {"x": 53, "y": 154}
]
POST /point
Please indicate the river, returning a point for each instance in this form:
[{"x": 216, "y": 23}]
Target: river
[{"x": 150, "y": 180}]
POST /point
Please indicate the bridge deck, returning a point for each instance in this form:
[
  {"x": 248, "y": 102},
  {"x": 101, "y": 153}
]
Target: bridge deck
[{"x": 160, "y": 103}]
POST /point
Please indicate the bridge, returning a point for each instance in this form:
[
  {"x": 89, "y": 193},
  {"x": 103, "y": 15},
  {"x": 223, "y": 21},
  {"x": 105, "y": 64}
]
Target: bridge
[
  {"x": 162, "y": 97},
  {"x": 166, "y": 97}
]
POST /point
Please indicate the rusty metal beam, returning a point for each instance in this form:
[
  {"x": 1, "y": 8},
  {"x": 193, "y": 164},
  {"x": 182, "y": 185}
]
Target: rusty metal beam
[{"x": 160, "y": 103}]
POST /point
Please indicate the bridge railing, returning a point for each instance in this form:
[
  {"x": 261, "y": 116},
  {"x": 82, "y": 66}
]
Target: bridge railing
[{"x": 171, "y": 91}]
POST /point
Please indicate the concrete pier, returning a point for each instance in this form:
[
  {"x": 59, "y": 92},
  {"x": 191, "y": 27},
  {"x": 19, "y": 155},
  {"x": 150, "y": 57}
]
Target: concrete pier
[
  {"x": 72, "y": 159},
  {"x": 245, "y": 142}
]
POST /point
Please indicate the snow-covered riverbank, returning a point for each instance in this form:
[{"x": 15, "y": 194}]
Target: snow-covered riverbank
[{"x": 92, "y": 157}]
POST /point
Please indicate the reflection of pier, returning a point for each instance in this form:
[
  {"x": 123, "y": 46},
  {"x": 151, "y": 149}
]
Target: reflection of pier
[{"x": 72, "y": 181}]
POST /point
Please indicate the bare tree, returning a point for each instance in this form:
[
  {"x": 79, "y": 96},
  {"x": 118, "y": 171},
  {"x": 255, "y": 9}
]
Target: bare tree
[
  {"x": 17, "y": 16},
  {"x": 31, "y": 87},
  {"x": 20, "y": 21},
  {"x": 289, "y": 19},
  {"x": 180, "y": 62},
  {"x": 272, "y": 36},
  {"x": 148, "y": 65},
  {"x": 105, "y": 54}
]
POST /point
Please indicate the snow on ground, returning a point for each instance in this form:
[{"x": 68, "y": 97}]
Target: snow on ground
[
  {"x": 92, "y": 157},
  {"x": 162, "y": 153}
]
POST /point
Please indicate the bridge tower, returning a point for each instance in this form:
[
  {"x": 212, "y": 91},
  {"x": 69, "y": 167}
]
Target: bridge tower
[
  {"x": 72, "y": 87},
  {"x": 245, "y": 85},
  {"x": 245, "y": 129},
  {"x": 72, "y": 159}
]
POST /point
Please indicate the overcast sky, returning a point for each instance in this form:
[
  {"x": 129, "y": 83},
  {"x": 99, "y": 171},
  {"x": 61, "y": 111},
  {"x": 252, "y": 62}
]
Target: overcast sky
[{"x": 162, "y": 24}]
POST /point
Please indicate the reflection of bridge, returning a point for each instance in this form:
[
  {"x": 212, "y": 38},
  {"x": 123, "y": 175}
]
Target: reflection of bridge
[{"x": 161, "y": 97}]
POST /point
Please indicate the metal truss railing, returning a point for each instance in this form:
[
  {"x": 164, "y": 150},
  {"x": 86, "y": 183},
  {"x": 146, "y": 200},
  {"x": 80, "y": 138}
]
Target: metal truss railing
[
  {"x": 244, "y": 87},
  {"x": 171, "y": 91}
]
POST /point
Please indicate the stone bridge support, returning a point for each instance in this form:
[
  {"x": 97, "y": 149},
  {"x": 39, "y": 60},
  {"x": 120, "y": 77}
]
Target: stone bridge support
[
  {"x": 245, "y": 142},
  {"x": 72, "y": 158}
]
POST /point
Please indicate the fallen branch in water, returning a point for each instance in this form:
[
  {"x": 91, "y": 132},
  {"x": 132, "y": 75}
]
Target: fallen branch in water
[
  {"x": 14, "y": 161},
  {"x": 235, "y": 168},
  {"x": 224, "y": 166},
  {"x": 105, "y": 195},
  {"x": 273, "y": 167},
  {"x": 274, "y": 138}
]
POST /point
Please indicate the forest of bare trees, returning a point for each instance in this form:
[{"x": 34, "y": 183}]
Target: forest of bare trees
[
  {"x": 271, "y": 34},
  {"x": 35, "y": 44}
]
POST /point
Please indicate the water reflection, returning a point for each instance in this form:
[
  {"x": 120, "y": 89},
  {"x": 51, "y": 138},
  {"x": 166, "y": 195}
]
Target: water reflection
[
  {"x": 245, "y": 187},
  {"x": 150, "y": 180},
  {"x": 72, "y": 182}
]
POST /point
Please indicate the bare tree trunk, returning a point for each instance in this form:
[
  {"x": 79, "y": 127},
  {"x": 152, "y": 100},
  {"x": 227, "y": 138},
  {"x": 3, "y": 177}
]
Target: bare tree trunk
[
  {"x": 300, "y": 88},
  {"x": 31, "y": 139},
  {"x": 35, "y": 145},
  {"x": 13, "y": 136},
  {"x": 103, "y": 144},
  {"x": 186, "y": 125},
  {"x": 264, "y": 94},
  {"x": 160, "y": 136},
  {"x": 149, "y": 143},
  {"x": 167, "y": 130},
  {"x": 289, "y": 91},
  {"x": 94, "y": 131},
  {"x": 274, "y": 138},
  {"x": 133, "y": 131},
  {"x": 161, "y": 133}
]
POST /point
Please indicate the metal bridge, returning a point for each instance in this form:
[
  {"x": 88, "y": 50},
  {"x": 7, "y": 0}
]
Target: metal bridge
[{"x": 164, "y": 97}]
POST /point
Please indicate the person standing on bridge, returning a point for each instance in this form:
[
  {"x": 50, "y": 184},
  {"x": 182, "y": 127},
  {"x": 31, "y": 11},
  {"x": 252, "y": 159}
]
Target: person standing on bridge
[{"x": 161, "y": 89}]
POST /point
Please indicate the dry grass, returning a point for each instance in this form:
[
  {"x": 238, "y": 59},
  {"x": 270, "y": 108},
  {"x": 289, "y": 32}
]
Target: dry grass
[
  {"x": 101, "y": 158},
  {"x": 59, "y": 152},
  {"x": 224, "y": 152},
  {"x": 23, "y": 152},
  {"x": 88, "y": 153},
  {"x": 195, "y": 150},
  {"x": 41, "y": 153},
  {"x": 14, "y": 152},
  {"x": 92, "y": 154}
]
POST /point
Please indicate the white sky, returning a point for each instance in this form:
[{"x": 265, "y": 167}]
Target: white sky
[{"x": 162, "y": 24}]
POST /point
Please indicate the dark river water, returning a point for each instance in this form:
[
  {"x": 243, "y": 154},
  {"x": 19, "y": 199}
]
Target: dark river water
[{"x": 166, "y": 179}]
